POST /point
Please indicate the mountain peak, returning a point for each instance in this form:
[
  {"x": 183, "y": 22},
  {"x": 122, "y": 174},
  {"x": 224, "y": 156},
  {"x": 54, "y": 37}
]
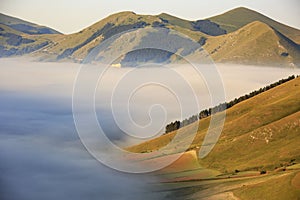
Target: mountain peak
[
  {"x": 242, "y": 9},
  {"x": 237, "y": 18},
  {"x": 124, "y": 13},
  {"x": 120, "y": 14},
  {"x": 166, "y": 14}
]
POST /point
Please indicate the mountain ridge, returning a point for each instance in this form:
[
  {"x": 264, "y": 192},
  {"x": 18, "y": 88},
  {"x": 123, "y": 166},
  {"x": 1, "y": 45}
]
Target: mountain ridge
[
  {"x": 213, "y": 34},
  {"x": 25, "y": 26},
  {"x": 255, "y": 40},
  {"x": 240, "y": 16}
]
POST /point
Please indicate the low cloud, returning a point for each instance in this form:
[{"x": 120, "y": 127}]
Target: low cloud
[{"x": 41, "y": 156}]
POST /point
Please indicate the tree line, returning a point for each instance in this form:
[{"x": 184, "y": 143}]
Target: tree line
[{"x": 223, "y": 106}]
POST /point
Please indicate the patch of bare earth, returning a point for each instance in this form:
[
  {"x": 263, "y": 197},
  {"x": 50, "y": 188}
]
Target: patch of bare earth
[
  {"x": 296, "y": 181},
  {"x": 223, "y": 196}
]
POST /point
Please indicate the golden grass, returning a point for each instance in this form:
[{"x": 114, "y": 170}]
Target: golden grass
[
  {"x": 259, "y": 133},
  {"x": 276, "y": 189}
]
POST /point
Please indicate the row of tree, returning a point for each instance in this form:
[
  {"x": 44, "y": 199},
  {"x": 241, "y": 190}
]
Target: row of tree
[{"x": 223, "y": 106}]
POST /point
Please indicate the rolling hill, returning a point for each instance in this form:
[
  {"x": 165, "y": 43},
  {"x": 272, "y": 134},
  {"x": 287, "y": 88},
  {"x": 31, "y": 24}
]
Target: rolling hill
[
  {"x": 249, "y": 42},
  {"x": 255, "y": 43},
  {"x": 261, "y": 133},
  {"x": 76, "y": 46},
  {"x": 240, "y": 36},
  {"x": 256, "y": 157},
  {"x": 16, "y": 43},
  {"x": 19, "y": 37},
  {"x": 239, "y": 17}
]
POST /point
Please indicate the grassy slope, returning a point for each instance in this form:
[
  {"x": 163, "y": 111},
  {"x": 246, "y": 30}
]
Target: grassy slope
[
  {"x": 239, "y": 17},
  {"x": 8, "y": 20},
  {"x": 276, "y": 189},
  {"x": 38, "y": 39},
  {"x": 259, "y": 133},
  {"x": 271, "y": 186},
  {"x": 122, "y": 18},
  {"x": 255, "y": 43}
]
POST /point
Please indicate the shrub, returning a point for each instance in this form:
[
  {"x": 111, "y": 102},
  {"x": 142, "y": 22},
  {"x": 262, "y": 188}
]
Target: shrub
[{"x": 263, "y": 172}]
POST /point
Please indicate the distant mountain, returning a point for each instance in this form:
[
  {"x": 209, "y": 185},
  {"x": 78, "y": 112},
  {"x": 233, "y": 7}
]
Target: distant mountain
[
  {"x": 24, "y": 26},
  {"x": 256, "y": 43},
  {"x": 16, "y": 43},
  {"x": 239, "y": 17},
  {"x": 238, "y": 36},
  {"x": 19, "y": 37},
  {"x": 76, "y": 46}
]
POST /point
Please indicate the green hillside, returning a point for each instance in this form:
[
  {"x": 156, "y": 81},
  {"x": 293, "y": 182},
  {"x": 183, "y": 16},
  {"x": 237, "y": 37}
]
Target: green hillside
[
  {"x": 259, "y": 133},
  {"x": 256, "y": 157}
]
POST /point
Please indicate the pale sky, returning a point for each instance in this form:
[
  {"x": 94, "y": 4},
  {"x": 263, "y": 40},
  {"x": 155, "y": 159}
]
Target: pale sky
[{"x": 69, "y": 16}]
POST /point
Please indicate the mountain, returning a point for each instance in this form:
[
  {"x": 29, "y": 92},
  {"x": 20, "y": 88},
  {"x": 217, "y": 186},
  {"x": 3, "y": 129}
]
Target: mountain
[
  {"x": 239, "y": 17},
  {"x": 76, "y": 46},
  {"x": 16, "y": 43},
  {"x": 255, "y": 43},
  {"x": 19, "y": 37},
  {"x": 247, "y": 42},
  {"x": 24, "y": 26},
  {"x": 240, "y": 36}
]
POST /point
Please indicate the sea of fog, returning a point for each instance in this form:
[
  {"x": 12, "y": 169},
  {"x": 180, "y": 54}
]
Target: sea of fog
[{"x": 41, "y": 155}]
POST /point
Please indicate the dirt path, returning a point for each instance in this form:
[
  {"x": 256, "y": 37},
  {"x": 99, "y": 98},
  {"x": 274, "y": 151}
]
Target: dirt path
[{"x": 225, "y": 195}]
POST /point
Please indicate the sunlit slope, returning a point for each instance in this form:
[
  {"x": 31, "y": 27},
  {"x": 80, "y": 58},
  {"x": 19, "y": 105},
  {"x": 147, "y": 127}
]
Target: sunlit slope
[
  {"x": 259, "y": 133},
  {"x": 256, "y": 43},
  {"x": 76, "y": 46},
  {"x": 256, "y": 40},
  {"x": 240, "y": 36},
  {"x": 239, "y": 17},
  {"x": 277, "y": 188}
]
